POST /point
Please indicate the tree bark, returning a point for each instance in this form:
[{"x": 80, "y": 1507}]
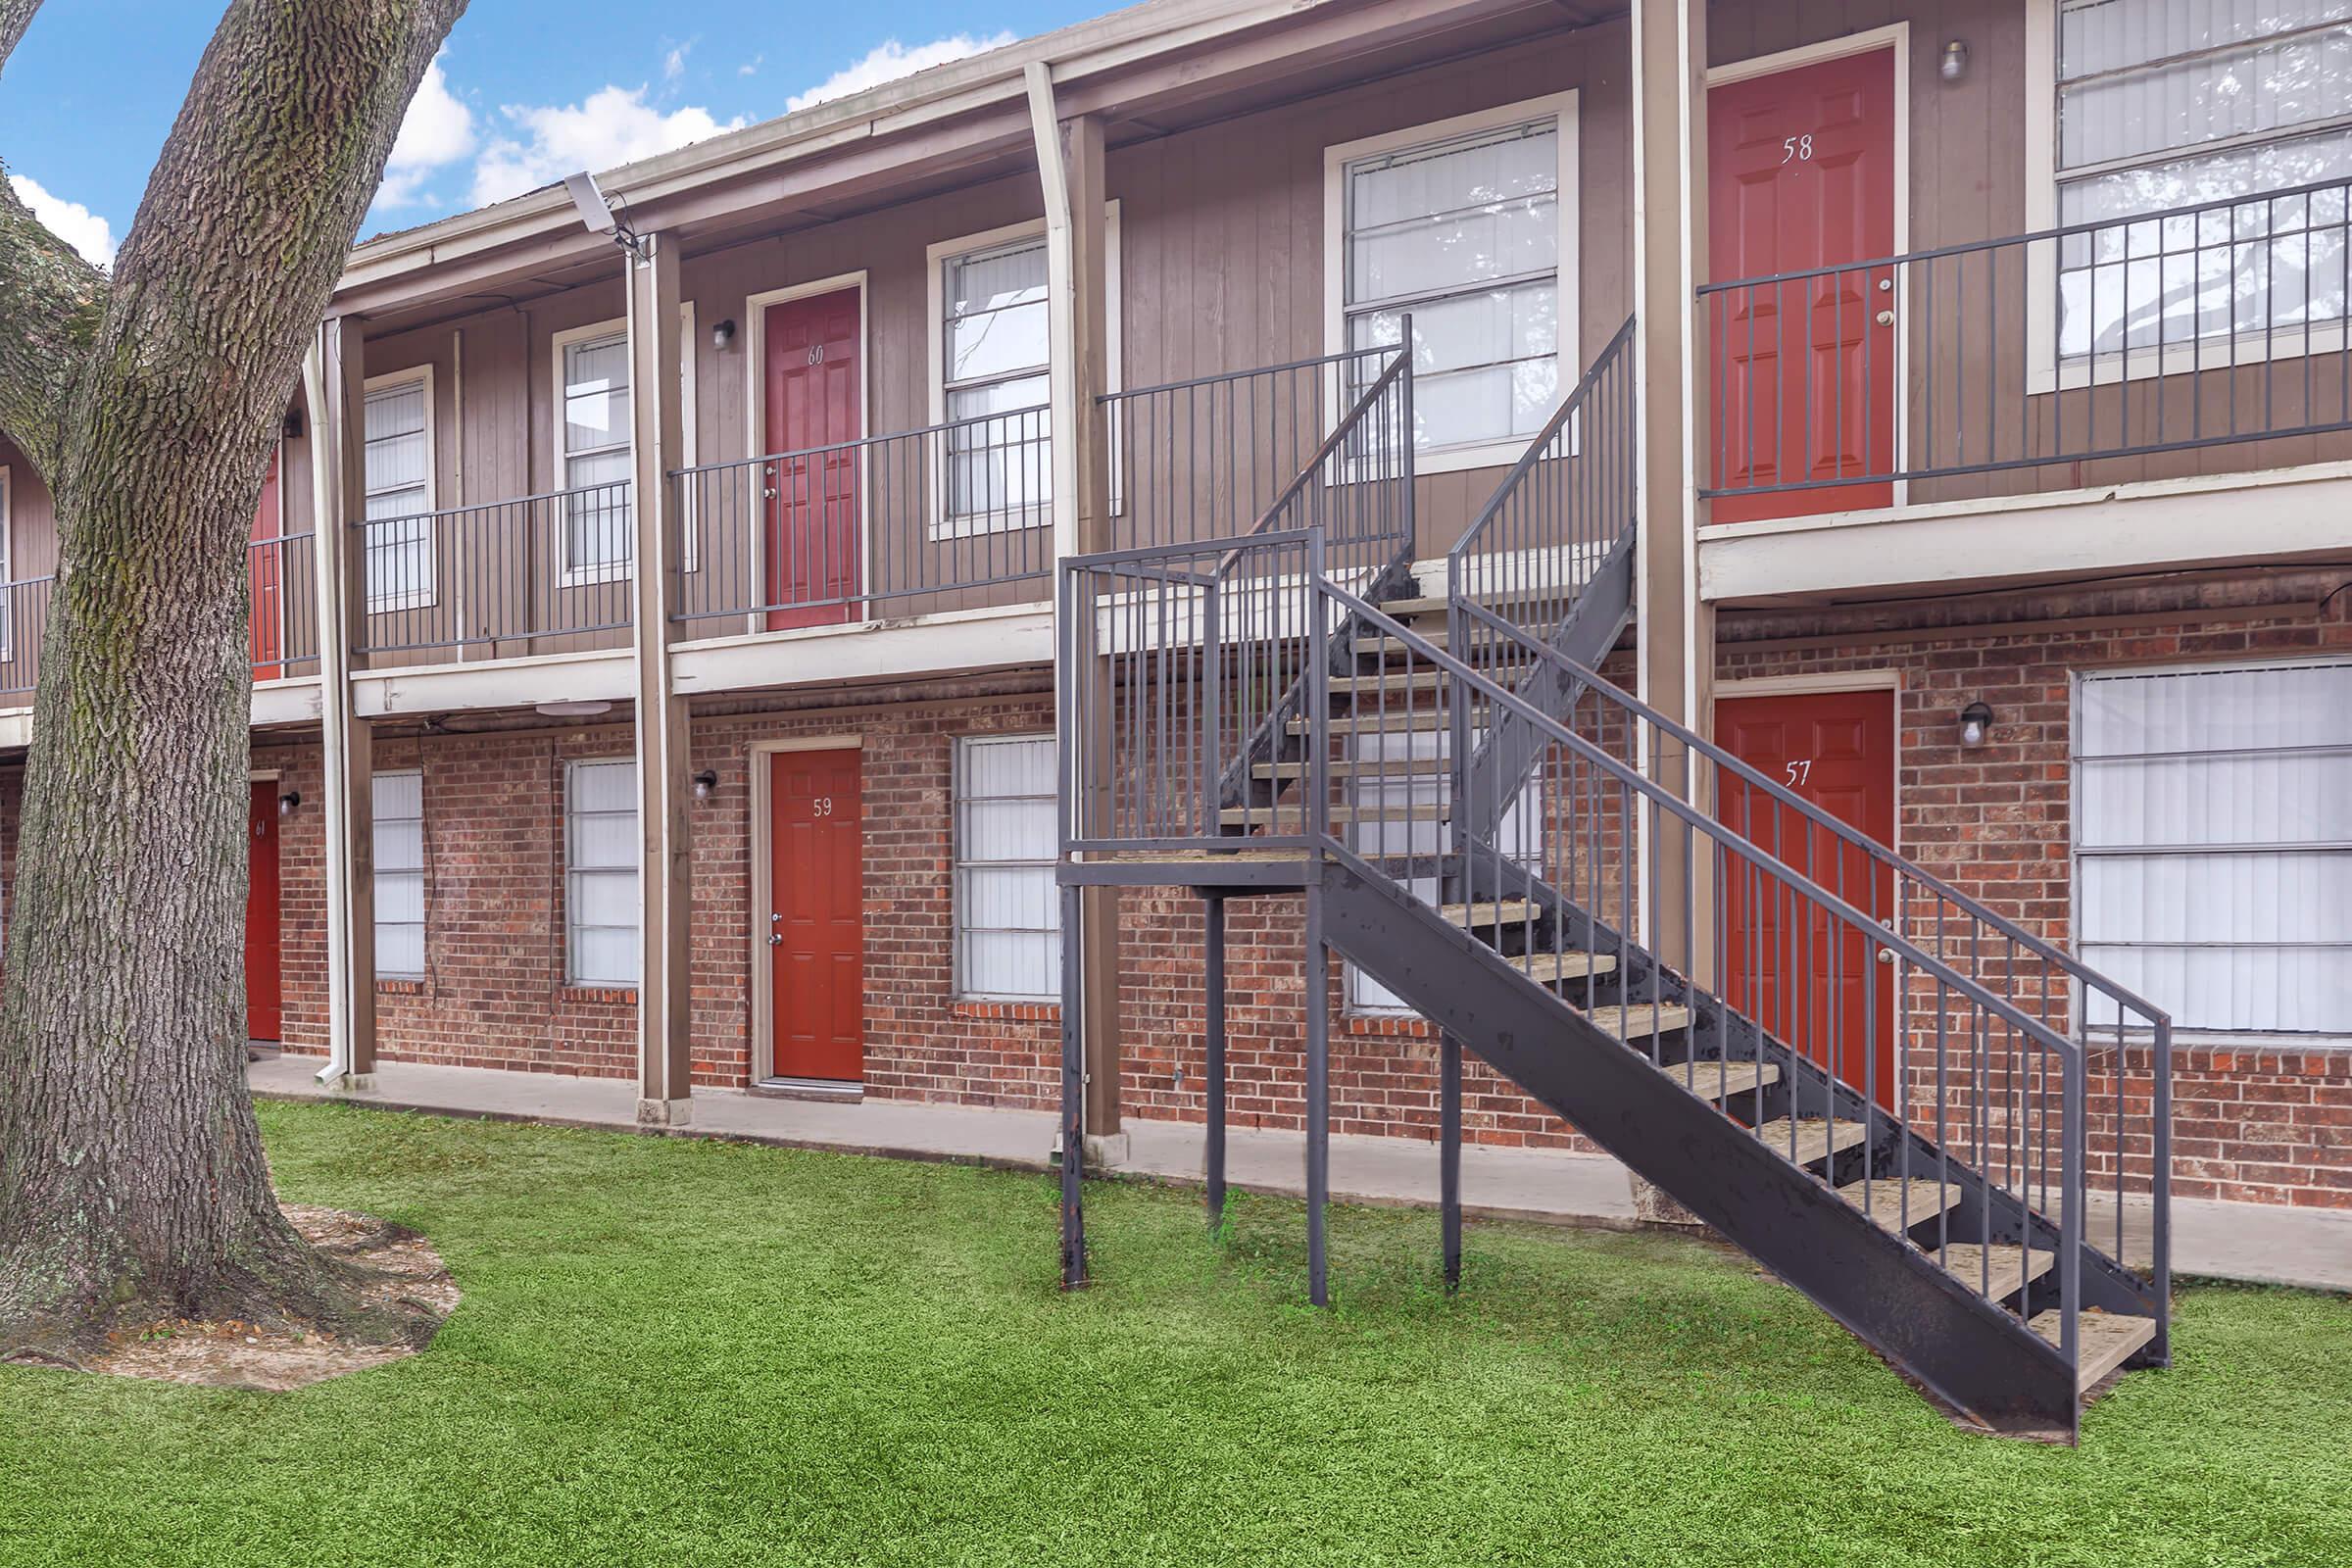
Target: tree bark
[{"x": 132, "y": 1181}]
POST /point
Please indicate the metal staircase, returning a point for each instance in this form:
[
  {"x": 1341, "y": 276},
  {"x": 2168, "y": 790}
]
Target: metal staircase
[{"x": 1893, "y": 1098}]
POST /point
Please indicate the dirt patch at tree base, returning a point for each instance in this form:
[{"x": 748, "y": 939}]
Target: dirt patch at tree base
[{"x": 245, "y": 1355}]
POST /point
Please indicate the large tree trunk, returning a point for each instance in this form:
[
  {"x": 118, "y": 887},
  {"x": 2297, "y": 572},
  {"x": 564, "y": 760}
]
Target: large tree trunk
[{"x": 132, "y": 1179}]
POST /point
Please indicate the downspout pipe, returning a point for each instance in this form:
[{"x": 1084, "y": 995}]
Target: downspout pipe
[{"x": 333, "y": 687}]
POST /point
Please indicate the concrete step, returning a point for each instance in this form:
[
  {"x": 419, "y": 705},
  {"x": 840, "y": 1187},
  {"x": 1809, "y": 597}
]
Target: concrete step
[
  {"x": 2103, "y": 1340},
  {"x": 1812, "y": 1138},
  {"x": 1896, "y": 1204}
]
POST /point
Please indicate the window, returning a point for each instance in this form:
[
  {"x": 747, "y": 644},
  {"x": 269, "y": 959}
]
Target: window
[
  {"x": 992, "y": 353},
  {"x": 399, "y": 875},
  {"x": 1008, "y": 921},
  {"x": 1468, "y": 227},
  {"x": 398, "y": 435},
  {"x": 600, "y": 873},
  {"x": 1413, "y": 779},
  {"x": 2213, "y": 843},
  {"x": 2164, "y": 104},
  {"x": 592, "y": 368}
]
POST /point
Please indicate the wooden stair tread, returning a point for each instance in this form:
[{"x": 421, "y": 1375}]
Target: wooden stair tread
[
  {"x": 2103, "y": 1340},
  {"x": 1815, "y": 1137},
  {"x": 1894, "y": 1200},
  {"x": 1966, "y": 1262},
  {"x": 1492, "y": 911},
  {"x": 1546, "y": 967},
  {"x": 1378, "y": 724},
  {"x": 1641, "y": 1019},
  {"x": 1716, "y": 1079},
  {"x": 1291, "y": 819},
  {"x": 1396, "y": 769},
  {"x": 1397, "y": 681},
  {"x": 1178, "y": 856}
]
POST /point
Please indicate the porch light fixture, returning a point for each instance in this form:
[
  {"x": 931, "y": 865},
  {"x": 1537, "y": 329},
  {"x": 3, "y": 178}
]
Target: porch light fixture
[
  {"x": 723, "y": 334},
  {"x": 1975, "y": 721},
  {"x": 1954, "y": 64},
  {"x": 706, "y": 784},
  {"x": 586, "y": 708},
  {"x": 288, "y": 803}
]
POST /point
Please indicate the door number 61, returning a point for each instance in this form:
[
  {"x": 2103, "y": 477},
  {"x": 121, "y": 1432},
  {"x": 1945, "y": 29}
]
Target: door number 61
[{"x": 1797, "y": 148}]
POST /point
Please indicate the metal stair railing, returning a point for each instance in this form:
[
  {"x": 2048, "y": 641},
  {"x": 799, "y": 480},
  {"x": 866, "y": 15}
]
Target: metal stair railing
[{"x": 1964, "y": 1065}]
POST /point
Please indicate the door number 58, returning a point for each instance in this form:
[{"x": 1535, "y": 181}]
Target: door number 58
[{"x": 1797, "y": 148}]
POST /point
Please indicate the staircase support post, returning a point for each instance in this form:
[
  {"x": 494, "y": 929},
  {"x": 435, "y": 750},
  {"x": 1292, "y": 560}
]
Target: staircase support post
[
  {"x": 1073, "y": 1103},
  {"x": 1318, "y": 1098},
  {"x": 1213, "y": 919},
  {"x": 1450, "y": 1154}
]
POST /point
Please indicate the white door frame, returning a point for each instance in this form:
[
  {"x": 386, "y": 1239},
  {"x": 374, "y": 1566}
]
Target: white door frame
[{"x": 760, "y": 759}]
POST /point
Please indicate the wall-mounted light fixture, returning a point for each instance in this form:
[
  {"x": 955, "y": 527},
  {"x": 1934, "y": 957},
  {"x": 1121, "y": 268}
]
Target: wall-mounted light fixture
[
  {"x": 723, "y": 334},
  {"x": 289, "y": 803},
  {"x": 579, "y": 708},
  {"x": 1954, "y": 64},
  {"x": 1976, "y": 721},
  {"x": 706, "y": 784}
]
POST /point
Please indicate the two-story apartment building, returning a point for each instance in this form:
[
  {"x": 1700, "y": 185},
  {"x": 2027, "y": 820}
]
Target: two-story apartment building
[{"x": 655, "y": 648}]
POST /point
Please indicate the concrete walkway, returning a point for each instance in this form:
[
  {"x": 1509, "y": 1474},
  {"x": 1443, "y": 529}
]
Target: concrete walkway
[{"x": 2311, "y": 1248}]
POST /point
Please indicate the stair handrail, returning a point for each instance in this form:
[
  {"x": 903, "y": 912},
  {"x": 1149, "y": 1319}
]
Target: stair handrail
[
  {"x": 1474, "y": 540},
  {"x": 2068, "y": 1054},
  {"x": 1399, "y": 365}
]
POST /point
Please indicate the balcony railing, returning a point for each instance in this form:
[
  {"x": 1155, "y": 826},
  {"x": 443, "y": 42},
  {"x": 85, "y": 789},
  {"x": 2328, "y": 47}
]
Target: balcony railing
[
  {"x": 541, "y": 574},
  {"x": 23, "y": 625},
  {"x": 2165, "y": 332},
  {"x": 954, "y": 517}
]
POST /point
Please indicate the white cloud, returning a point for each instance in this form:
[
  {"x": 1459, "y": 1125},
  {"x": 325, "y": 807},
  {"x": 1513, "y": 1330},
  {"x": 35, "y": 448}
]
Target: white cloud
[
  {"x": 673, "y": 64},
  {"x": 613, "y": 126},
  {"x": 751, "y": 67},
  {"x": 70, "y": 221},
  {"x": 437, "y": 132},
  {"x": 890, "y": 60}
]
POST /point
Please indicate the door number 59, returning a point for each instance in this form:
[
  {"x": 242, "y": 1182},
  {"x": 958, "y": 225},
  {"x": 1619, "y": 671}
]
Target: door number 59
[
  {"x": 823, "y": 805},
  {"x": 1797, "y": 148}
]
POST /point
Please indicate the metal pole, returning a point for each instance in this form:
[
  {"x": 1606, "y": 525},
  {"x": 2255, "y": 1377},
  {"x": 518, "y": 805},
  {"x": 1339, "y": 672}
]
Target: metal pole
[
  {"x": 1318, "y": 1097},
  {"x": 1215, "y": 917},
  {"x": 1450, "y": 1154},
  {"x": 1073, "y": 1103}
]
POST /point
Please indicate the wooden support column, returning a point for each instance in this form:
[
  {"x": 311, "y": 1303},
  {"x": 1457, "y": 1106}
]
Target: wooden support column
[
  {"x": 664, "y": 789},
  {"x": 1070, "y": 169},
  {"x": 334, "y": 380},
  {"x": 1674, "y": 630}
]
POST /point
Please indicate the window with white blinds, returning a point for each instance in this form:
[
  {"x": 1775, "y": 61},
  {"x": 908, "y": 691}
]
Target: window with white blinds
[
  {"x": 600, "y": 873},
  {"x": 1007, "y": 916},
  {"x": 2164, "y": 104},
  {"x": 399, "y": 819},
  {"x": 1400, "y": 809},
  {"x": 599, "y": 426},
  {"x": 399, "y": 494},
  {"x": 1465, "y": 230},
  {"x": 2213, "y": 843},
  {"x": 994, "y": 328}
]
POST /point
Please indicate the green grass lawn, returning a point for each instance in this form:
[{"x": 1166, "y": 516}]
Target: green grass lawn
[{"x": 697, "y": 1353}]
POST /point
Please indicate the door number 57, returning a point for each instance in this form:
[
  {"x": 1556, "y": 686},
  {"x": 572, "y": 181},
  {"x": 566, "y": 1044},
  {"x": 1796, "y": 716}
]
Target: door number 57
[
  {"x": 1797, "y": 148},
  {"x": 1799, "y": 771}
]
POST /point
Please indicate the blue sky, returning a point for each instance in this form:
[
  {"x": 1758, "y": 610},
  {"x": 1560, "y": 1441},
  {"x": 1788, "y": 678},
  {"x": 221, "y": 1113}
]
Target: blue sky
[{"x": 527, "y": 90}]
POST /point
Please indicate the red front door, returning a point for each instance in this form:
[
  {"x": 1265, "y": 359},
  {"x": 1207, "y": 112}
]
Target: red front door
[
  {"x": 812, "y": 376},
  {"x": 261, "y": 984},
  {"x": 1801, "y": 175},
  {"x": 1818, "y": 984},
  {"x": 817, "y": 927},
  {"x": 266, "y": 563}
]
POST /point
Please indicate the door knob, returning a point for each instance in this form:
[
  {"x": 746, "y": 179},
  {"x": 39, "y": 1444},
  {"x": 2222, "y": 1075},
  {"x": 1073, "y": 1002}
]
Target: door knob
[
  {"x": 775, "y": 939},
  {"x": 1885, "y": 318}
]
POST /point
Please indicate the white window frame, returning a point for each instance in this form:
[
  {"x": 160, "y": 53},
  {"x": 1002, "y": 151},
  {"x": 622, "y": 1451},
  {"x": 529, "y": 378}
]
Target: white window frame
[
  {"x": 2269, "y": 1039},
  {"x": 942, "y": 526},
  {"x": 424, "y": 916},
  {"x": 1561, "y": 107},
  {"x": 567, "y": 575},
  {"x": 428, "y": 595},
  {"x": 2221, "y": 352},
  {"x": 573, "y": 924},
  {"x": 960, "y": 860}
]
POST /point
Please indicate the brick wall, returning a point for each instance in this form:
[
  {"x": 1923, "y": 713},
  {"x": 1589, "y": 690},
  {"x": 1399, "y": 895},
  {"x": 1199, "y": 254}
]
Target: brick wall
[{"x": 2263, "y": 1120}]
